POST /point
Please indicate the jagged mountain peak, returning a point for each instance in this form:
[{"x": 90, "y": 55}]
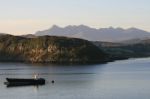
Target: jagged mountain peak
[
  {"x": 55, "y": 27},
  {"x": 110, "y": 34}
]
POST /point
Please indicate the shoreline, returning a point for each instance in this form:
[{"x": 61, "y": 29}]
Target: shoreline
[{"x": 72, "y": 63}]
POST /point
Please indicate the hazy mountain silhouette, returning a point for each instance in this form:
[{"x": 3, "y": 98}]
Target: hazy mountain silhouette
[
  {"x": 29, "y": 36},
  {"x": 93, "y": 34}
]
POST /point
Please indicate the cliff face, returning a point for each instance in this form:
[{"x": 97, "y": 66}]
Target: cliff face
[{"x": 49, "y": 49}]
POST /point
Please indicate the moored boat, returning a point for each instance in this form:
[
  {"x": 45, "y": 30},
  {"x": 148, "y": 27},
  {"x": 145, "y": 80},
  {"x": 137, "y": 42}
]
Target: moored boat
[{"x": 22, "y": 82}]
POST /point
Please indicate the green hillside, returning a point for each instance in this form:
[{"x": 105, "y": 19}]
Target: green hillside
[{"x": 49, "y": 49}]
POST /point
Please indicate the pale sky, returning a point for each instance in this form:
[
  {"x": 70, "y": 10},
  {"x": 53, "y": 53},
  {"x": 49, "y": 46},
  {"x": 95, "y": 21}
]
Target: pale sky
[{"x": 28, "y": 16}]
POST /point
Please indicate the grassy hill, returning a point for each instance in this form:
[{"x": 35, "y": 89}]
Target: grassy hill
[
  {"x": 123, "y": 51},
  {"x": 49, "y": 49}
]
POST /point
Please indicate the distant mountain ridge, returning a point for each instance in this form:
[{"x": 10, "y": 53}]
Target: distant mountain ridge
[{"x": 103, "y": 34}]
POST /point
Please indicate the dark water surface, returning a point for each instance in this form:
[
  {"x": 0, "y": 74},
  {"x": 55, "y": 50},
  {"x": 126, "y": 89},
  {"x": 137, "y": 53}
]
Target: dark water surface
[{"x": 127, "y": 79}]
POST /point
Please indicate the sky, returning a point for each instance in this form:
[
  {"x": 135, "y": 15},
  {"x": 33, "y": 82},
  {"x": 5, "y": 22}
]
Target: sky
[{"x": 28, "y": 16}]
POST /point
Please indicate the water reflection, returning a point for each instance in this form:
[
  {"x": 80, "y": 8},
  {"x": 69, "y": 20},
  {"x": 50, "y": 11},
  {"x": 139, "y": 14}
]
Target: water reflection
[{"x": 35, "y": 87}]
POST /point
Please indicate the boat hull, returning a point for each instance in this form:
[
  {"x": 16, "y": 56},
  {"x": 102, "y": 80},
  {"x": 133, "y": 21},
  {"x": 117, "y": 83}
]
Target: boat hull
[{"x": 23, "y": 82}]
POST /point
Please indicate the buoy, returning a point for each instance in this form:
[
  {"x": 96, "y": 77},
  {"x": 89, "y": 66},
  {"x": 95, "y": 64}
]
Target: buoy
[{"x": 53, "y": 81}]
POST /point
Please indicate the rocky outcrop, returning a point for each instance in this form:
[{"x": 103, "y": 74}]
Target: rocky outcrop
[{"x": 49, "y": 49}]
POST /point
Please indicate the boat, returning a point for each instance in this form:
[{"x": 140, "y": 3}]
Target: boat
[{"x": 23, "y": 82}]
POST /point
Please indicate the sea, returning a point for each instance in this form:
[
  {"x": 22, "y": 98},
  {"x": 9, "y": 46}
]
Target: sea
[{"x": 123, "y": 79}]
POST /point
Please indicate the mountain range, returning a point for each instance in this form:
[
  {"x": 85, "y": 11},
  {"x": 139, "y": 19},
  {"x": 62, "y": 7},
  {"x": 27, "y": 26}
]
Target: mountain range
[
  {"x": 92, "y": 34},
  {"x": 58, "y": 49}
]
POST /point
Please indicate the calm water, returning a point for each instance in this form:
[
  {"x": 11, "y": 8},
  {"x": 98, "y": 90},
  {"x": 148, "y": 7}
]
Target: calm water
[{"x": 127, "y": 79}]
